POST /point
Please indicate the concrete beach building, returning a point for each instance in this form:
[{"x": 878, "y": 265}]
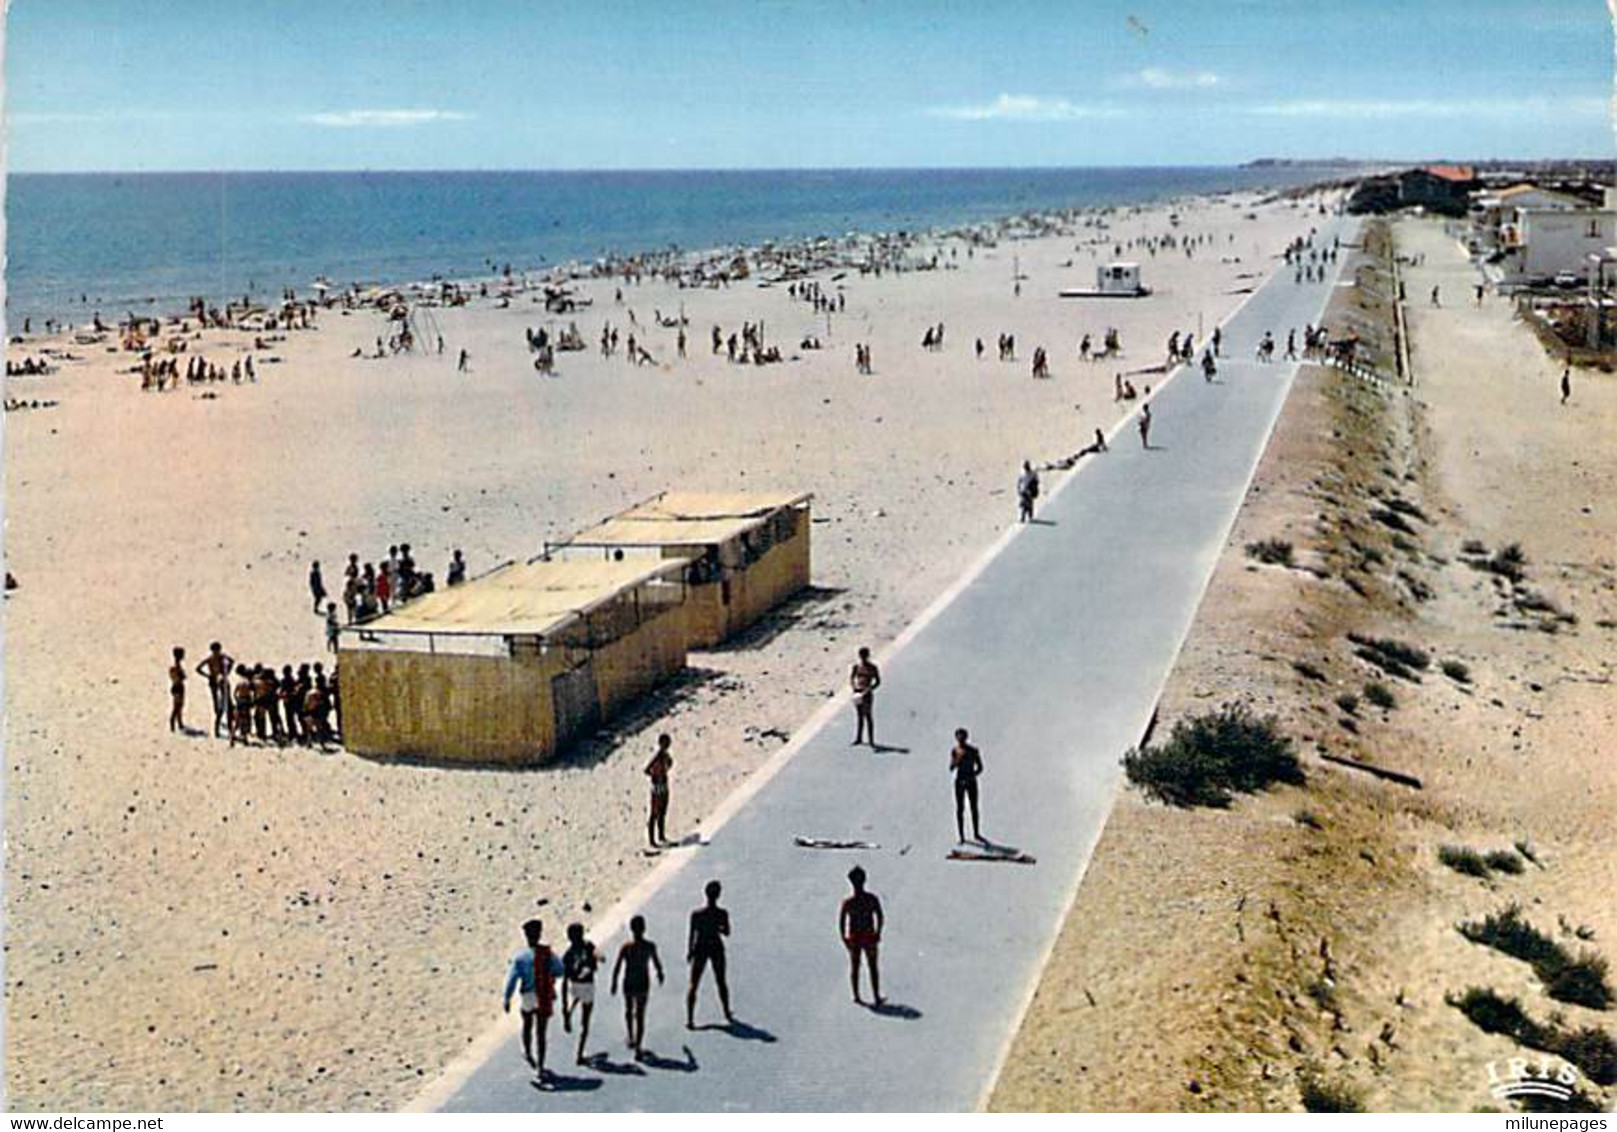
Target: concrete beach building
[
  {"x": 742, "y": 553},
  {"x": 510, "y": 666}
]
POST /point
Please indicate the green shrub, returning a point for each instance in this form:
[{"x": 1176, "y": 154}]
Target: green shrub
[
  {"x": 1348, "y": 702},
  {"x": 1463, "y": 860},
  {"x": 1504, "y": 861},
  {"x": 1494, "y": 1014},
  {"x": 1270, "y": 551},
  {"x": 1379, "y": 695},
  {"x": 1457, "y": 670},
  {"x": 1394, "y": 657},
  {"x": 1329, "y": 1096},
  {"x": 1591, "y": 1050},
  {"x": 1579, "y": 979},
  {"x": 1508, "y": 562},
  {"x": 1309, "y": 671},
  {"x": 1211, "y": 757}
]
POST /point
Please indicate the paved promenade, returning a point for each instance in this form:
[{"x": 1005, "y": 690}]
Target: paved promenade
[{"x": 1053, "y": 657}]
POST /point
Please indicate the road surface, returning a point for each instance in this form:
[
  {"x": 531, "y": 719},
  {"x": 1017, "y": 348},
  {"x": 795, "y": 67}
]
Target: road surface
[{"x": 1053, "y": 656}]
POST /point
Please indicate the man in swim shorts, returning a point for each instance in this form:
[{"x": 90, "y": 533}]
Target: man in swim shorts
[
  {"x": 636, "y": 959},
  {"x": 533, "y": 974},
  {"x": 861, "y": 923},
  {"x": 578, "y": 985},
  {"x": 704, "y": 947}
]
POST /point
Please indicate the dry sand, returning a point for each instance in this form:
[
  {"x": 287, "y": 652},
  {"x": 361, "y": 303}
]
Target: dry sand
[
  {"x": 192, "y": 926},
  {"x": 1219, "y": 960}
]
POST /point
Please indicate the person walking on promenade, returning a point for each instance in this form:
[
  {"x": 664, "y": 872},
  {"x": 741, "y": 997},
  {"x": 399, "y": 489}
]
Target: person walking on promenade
[
  {"x": 1027, "y": 492},
  {"x": 333, "y": 627},
  {"x": 864, "y": 679},
  {"x": 533, "y": 974},
  {"x": 176, "y": 691},
  {"x": 1566, "y": 384},
  {"x": 704, "y": 948},
  {"x": 1145, "y": 426},
  {"x": 861, "y": 922},
  {"x": 636, "y": 960},
  {"x": 657, "y": 770},
  {"x": 966, "y": 764},
  {"x": 578, "y": 966}
]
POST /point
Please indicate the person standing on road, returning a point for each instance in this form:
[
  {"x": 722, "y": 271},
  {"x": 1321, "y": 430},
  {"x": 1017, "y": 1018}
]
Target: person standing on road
[
  {"x": 657, "y": 770},
  {"x": 1566, "y": 384},
  {"x": 860, "y": 924},
  {"x": 1027, "y": 492},
  {"x": 864, "y": 679},
  {"x": 578, "y": 967},
  {"x": 636, "y": 960},
  {"x": 704, "y": 947},
  {"x": 966, "y": 763},
  {"x": 1145, "y": 426},
  {"x": 533, "y": 974}
]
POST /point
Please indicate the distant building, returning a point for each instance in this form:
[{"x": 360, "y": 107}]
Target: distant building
[
  {"x": 1494, "y": 221},
  {"x": 1438, "y": 188},
  {"x": 1444, "y": 189},
  {"x": 1542, "y": 245}
]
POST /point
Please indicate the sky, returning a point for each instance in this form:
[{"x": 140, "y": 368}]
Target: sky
[{"x": 595, "y": 84}]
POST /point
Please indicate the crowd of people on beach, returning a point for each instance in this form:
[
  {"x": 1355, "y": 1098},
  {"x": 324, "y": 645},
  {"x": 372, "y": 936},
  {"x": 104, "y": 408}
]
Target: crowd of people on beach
[
  {"x": 29, "y": 367},
  {"x": 302, "y": 707},
  {"x": 158, "y": 374},
  {"x": 371, "y": 589}
]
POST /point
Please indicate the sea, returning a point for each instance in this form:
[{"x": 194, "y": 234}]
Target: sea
[{"x": 145, "y": 243}]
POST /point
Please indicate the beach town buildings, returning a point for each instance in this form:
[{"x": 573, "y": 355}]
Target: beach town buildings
[{"x": 1442, "y": 189}]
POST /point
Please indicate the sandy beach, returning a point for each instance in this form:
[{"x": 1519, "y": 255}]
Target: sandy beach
[
  {"x": 1301, "y": 947},
  {"x": 285, "y": 929}
]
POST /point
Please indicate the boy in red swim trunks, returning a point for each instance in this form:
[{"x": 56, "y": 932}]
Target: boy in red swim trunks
[{"x": 861, "y": 925}]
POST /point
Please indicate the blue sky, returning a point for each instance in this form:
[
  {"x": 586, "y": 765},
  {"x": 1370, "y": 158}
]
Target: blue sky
[{"x": 482, "y": 84}]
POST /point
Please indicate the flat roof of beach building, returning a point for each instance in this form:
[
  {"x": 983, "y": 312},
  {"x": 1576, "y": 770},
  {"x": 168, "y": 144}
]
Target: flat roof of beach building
[
  {"x": 521, "y": 599},
  {"x": 688, "y": 518}
]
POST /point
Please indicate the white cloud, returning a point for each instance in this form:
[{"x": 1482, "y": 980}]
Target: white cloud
[
  {"x": 1026, "y": 108},
  {"x": 1371, "y": 109},
  {"x": 1160, "y": 78},
  {"x": 349, "y": 119}
]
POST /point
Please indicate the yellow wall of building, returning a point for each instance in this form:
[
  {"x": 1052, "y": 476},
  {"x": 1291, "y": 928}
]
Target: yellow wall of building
[{"x": 754, "y": 591}]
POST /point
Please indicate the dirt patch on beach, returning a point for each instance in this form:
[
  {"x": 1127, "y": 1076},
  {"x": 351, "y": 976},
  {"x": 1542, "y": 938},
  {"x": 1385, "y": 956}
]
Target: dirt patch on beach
[{"x": 1300, "y": 949}]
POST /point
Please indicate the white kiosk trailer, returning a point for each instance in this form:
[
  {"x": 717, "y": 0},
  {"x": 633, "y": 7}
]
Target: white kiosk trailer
[{"x": 1118, "y": 280}]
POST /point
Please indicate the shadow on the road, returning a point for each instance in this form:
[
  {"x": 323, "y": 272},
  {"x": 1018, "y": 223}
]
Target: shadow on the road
[
  {"x": 894, "y": 1010},
  {"x": 1042, "y": 523},
  {"x": 888, "y": 749},
  {"x": 745, "y": 1031},
  {"x": 996, "y": 847},
  {"x": 657, "y": 1061},
  {"x": 604, "y": 1064},
  {"x": 557, "y": 1083}
]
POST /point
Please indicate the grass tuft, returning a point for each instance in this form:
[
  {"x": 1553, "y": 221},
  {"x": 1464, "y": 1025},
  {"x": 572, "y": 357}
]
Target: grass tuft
[{"x": 1271, "y": 551}]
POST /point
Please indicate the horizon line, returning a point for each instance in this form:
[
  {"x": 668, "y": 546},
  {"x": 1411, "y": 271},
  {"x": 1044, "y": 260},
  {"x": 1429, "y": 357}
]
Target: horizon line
[{"x": 1333, "y": 161}]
